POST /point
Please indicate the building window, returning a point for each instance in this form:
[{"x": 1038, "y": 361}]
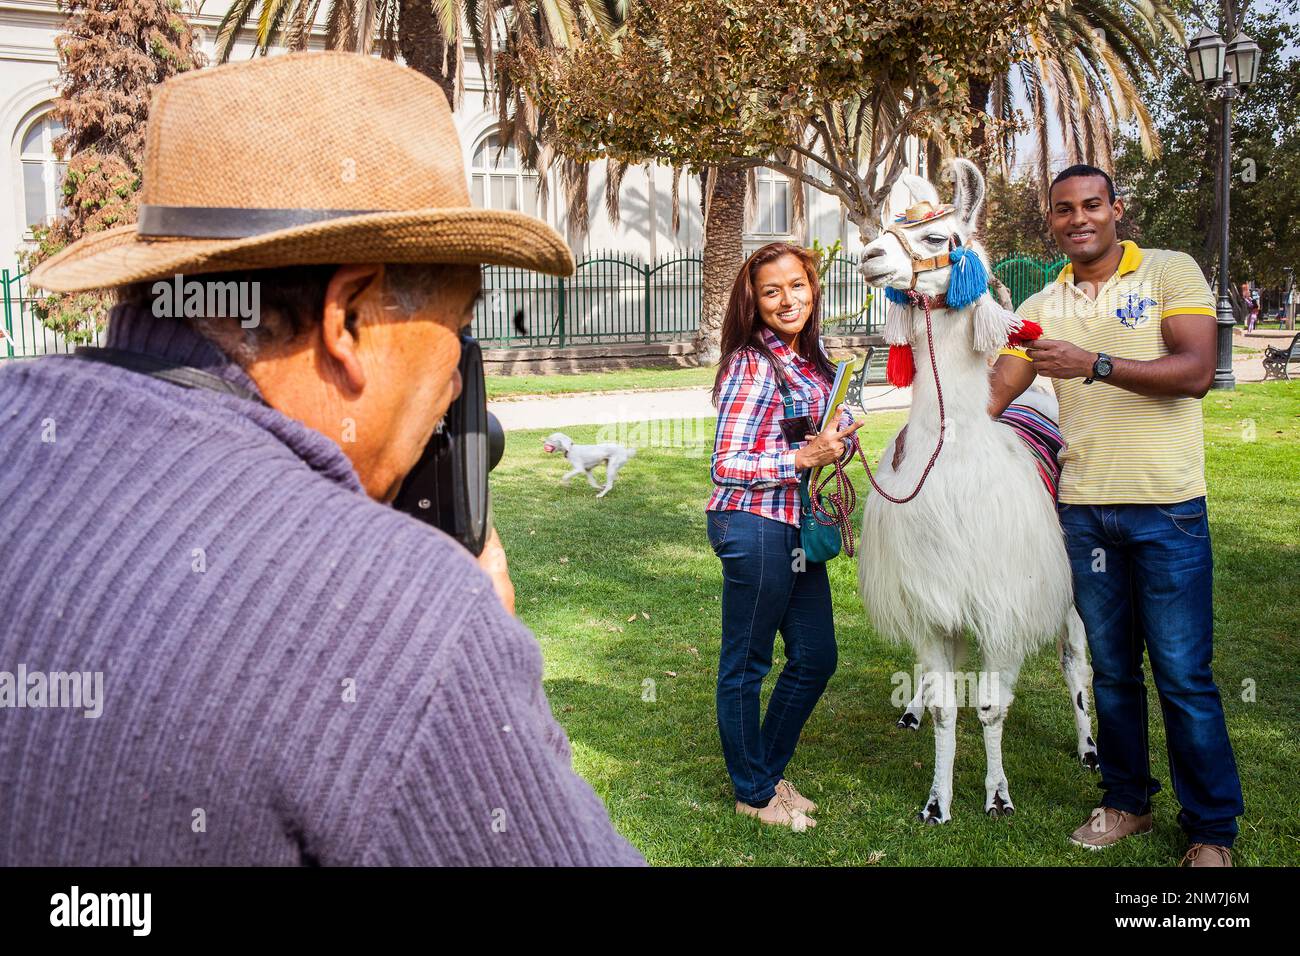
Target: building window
[
  {"x": 43, "y": 171},
  {"x": 772, "y": 203},
  {"x": 497, "y": 180}
]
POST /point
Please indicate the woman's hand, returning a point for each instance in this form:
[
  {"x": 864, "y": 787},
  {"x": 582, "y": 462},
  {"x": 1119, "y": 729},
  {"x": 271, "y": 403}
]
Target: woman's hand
[
  {"x": 493, "y": 563},
  {"x": 824, "y": 448}
]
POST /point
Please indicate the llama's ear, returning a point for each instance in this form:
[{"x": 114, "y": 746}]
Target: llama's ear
[
  {"x": 968, "y": 191},
  {"x": 907, "y": 191}
]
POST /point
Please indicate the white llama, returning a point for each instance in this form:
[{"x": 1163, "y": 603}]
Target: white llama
[{"x": 979, "y": 549}]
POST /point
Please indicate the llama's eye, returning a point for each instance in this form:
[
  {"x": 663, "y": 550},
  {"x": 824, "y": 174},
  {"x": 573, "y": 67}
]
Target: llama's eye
[{"x": 936, "y": 239}]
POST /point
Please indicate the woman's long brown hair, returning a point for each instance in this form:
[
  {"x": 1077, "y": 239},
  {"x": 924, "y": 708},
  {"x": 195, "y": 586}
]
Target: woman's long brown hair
[{"x": 742, "y": 325}]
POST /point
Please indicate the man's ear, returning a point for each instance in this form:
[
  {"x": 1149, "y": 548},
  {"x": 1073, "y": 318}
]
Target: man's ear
[
  {"x": 1119, "y": 209},
  {"x": 349, "y": 289}
]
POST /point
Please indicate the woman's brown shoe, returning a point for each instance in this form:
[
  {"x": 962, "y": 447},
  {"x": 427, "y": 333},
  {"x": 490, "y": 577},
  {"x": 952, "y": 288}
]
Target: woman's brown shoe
[
  {"x": 1207, "y": 854},
  {"x": 779, "y": 812},
  {"x": 797, "y": 799}
]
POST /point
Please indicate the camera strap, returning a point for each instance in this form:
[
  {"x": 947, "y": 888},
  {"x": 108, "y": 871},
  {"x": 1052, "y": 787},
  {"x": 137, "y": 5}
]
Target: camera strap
[{"x": 185, "y": 376}]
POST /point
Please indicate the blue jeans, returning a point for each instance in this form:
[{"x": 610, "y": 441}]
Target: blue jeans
[
  {"x": 1143, "y": 575},
  {"x": 761, "y": 594}
]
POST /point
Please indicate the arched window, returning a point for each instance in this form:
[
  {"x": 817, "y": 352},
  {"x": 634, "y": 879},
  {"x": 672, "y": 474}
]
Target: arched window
[
  {"x": 772, "y": 204},
  {"x": 43, "y": 171},
  {"x": 498, "y": 181}
]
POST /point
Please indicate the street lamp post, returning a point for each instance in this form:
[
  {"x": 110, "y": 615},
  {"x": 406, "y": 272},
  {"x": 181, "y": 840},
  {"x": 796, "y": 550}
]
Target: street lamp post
[{"x": 1205, "y": 57}]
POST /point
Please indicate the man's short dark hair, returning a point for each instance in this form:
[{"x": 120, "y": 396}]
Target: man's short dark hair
[{"x": 1083, "y": 169}]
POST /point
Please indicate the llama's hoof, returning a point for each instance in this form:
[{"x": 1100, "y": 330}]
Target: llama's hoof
[
  {"x": 1000, "y": 807},
  {"x": 933, "y": 814},
  {"x": 909, "y": 721},
  {"x": 1089, "y": 760}
]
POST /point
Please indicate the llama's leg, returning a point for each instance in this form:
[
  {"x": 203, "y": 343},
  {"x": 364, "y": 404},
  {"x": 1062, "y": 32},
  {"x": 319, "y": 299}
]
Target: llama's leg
[
  {"x": 911, "y": 719},
  {"x": 1072, "y": 646},
  {"x": 997, "y": 689},
  {"x": 938, "y": 661}
]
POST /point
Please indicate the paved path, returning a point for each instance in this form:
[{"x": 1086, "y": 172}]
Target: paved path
[
  {"x": 632, "y": 406},
  {"x": 609, "y": 408},
  {"x": 1250, "y": 368}
]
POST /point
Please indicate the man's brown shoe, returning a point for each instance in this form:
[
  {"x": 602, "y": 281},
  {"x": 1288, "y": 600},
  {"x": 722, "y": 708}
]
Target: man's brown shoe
[
  {"x": 797, "y": 799},
  {"x": 1106, "y": 826},
  {"x": 1207, "y": 854},
  {"x": 779, "y": 812}
]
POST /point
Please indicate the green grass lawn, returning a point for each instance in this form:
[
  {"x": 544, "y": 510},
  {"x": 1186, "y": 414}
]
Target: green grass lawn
[
  {"x": 507, "y": 386},
  {"x": 625, "y": 590}
]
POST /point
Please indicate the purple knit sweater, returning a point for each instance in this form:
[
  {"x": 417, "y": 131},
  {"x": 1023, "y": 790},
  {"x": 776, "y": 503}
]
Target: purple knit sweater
[{"x": 292, "y": 673}]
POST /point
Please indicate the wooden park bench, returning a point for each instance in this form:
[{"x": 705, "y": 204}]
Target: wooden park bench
[{"x": 1276, "y": 361}]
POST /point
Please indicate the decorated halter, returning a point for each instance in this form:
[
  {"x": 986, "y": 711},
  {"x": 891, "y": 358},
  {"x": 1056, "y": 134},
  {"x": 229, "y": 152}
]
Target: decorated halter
[{"x": 968, "y": 281}]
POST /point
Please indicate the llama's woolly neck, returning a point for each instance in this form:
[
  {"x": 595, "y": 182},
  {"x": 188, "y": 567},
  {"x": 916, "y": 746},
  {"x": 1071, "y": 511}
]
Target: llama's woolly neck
[{"x": 963, "y": 372}]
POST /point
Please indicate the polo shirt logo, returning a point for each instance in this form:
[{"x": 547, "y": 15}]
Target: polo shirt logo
[{"x": 1133, "y": 312}]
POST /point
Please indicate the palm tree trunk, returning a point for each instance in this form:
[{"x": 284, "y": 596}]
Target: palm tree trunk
[
  {"x": 723, "y": 256},
  {"x": 933, "y": 160},
  {"x": 979, "y": 101},
  {"x": 423, "y": 45}
]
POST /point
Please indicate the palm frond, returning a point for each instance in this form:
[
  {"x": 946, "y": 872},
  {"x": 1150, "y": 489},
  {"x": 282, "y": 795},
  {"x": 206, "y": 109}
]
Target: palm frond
[
  {"x": 232, "y": 23},
  {"x": 614, "y": 172}
]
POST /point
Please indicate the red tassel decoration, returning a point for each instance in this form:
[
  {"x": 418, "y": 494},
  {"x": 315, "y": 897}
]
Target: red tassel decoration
[
  {"x": 901, "y": 367},
  {"x": 1028, "y": 332}
]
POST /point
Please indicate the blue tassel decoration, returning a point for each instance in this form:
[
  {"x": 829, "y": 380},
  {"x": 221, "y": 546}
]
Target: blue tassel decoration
[
  {"x": 968, "y": 280},
  {"x": 897, "y": 296}
]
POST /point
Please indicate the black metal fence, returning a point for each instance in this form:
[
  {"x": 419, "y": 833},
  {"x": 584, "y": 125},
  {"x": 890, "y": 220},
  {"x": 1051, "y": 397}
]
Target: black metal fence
[{"x": 613, "y": 297}]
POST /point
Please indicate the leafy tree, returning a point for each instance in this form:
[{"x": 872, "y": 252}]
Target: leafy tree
[
  {"x": 826, "y": 93},
  {"x": 1014, "y": 223},
  {"x": 1173, "y": 204},
  {"x": 111, "y": 55}
]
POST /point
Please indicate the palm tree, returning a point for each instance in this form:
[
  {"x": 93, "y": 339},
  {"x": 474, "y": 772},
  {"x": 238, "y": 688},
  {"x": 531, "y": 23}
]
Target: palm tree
[
  {"x": 1079, "y": 65},
  {"x": 429, "y": 34}
]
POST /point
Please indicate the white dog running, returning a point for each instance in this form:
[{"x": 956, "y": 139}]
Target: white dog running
[{"x": 584, "y": 458}]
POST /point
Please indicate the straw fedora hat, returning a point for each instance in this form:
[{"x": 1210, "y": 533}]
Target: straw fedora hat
[{"x": 302, "y": 159}]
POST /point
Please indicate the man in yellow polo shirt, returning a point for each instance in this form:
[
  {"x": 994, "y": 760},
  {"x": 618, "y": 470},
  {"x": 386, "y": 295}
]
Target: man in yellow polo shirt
[{"x": 1129, "y": 343}]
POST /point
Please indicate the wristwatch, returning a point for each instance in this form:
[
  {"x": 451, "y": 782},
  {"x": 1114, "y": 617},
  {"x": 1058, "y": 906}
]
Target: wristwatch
[{"x": 1100, "y": 368}]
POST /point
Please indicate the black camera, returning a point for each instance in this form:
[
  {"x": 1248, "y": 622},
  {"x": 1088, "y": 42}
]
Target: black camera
[{"x": 448, "y": 487}]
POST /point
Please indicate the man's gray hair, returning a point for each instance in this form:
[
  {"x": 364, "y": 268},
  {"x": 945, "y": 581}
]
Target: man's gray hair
[{"x": 247, "y": 310}]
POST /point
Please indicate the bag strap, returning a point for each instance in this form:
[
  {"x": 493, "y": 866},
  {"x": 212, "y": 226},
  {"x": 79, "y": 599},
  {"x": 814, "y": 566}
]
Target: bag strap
[
  {"x": 183, "y": 375},
  {"x": 787, "y": 401}
]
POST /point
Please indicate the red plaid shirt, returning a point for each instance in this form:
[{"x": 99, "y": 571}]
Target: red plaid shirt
[{"x": 753, "y": 464}]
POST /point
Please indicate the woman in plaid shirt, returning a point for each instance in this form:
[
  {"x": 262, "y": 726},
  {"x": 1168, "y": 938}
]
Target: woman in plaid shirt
[{"x": 770, "y": 337}]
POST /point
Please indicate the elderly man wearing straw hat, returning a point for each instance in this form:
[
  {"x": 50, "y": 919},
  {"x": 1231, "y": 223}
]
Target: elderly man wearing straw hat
[{"x": 287, "y": 670}]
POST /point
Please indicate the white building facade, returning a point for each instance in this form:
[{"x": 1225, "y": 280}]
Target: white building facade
[{"x": 31, "y": 176}]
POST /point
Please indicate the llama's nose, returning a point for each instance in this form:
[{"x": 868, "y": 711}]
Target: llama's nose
[{"x": 873, "y": 253}]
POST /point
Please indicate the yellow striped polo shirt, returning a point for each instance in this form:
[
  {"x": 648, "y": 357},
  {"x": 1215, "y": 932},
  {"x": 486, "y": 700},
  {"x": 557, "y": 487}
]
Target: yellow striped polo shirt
[{"x": 1121, "y": 447}]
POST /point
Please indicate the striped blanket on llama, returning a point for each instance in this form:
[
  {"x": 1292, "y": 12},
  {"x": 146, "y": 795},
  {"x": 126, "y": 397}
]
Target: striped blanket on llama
[{"x": 1043, "y": 438}]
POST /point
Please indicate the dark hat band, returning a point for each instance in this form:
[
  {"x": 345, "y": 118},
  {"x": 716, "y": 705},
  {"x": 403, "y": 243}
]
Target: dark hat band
[{"x": 230, "y": 222}]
